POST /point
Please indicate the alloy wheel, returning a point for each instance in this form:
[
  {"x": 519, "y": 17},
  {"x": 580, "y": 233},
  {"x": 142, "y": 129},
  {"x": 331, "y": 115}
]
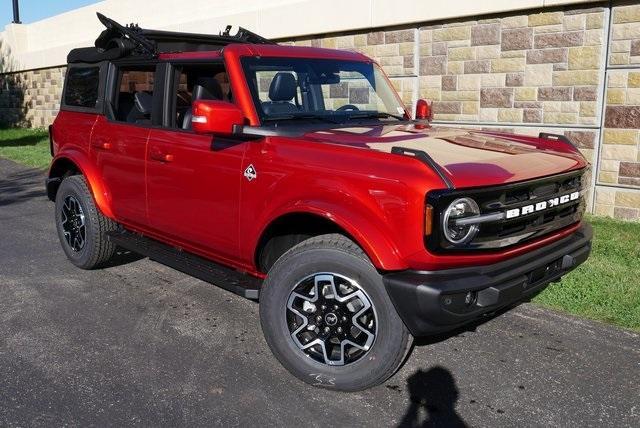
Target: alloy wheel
[
  {"x": 331, "y": 319},
  {"x": 73, "y": 223}
]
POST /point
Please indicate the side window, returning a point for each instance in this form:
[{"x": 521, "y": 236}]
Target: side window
[
  {"x": 81, "y": 89},
  {"x": 134, "y": 97},
  {"x": 197, "y": 82}
]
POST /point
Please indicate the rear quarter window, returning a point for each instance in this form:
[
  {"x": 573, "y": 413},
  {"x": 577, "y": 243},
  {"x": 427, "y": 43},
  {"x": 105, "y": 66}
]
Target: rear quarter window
[{"x": 82, "y": 87}]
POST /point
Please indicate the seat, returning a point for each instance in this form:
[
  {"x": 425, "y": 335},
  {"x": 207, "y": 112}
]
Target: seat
[
  {"x": 282, "y": 90},
  {"x": 126, "y": 107},
  {"x": 205, "y": 88},
  {"x": 134, "y": 108},
  {"x": 143, "y": 102},
  {"x": 141, "y": 114}
]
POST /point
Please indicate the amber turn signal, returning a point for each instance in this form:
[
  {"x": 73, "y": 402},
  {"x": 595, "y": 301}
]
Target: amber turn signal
[{"x": 428, "y": 220}]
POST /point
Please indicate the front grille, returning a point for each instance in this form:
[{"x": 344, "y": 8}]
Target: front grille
[{"x": 515, "y": 198}]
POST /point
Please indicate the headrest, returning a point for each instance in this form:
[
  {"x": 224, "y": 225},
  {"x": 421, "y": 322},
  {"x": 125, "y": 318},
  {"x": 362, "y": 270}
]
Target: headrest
[
  {"x": 143, "y": 102},
  {"x": 283, "y": 87},
  {"x": 207, "y": 88}
]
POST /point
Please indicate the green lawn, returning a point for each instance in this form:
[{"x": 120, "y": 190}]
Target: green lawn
[
  {"x": 606, "y": 287},
  {"x": 27, "y": 146}
]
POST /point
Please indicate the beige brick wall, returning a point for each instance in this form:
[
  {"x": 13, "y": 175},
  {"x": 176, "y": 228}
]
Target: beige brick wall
[
  {"x": 541, "y": 68},
  {"x": 31, "y": 98},
  {"x": 618, "y": 185},
  {"x": 625, "y": 35},
  {"x": 620, "y": 152}
]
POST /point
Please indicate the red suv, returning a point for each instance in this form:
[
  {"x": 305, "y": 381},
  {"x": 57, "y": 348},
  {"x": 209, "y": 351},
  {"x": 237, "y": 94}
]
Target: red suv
[{"x": 295, "y": 176}]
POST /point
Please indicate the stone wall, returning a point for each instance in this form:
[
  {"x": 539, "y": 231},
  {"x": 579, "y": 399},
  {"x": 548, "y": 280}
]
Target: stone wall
[
  {"x": 30, "y": 98},
  {"x": 573, "y": 71},
  {"x": 618, "y": 194}
]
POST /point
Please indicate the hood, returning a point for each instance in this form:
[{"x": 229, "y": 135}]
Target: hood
[{"x": 468, "y": 158}]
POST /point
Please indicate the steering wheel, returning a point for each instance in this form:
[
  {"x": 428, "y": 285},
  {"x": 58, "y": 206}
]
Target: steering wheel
[{"x": 348, "y": 107}]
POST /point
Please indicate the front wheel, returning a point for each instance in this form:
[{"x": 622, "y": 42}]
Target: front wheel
[{"x": 327, "y": 318}]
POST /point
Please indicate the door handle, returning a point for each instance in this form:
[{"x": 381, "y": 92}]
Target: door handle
[
  {"x": 101, "y": 145},
  {"x": 161, "y": 157}
]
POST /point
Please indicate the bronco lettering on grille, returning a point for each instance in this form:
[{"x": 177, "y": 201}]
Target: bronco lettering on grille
[{"x": 543, "y": 205}]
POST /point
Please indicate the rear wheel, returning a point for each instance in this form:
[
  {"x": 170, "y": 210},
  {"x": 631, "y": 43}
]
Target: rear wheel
[
  {"x": 82, "y": 229},
  {"x": 327, "y": 318}
]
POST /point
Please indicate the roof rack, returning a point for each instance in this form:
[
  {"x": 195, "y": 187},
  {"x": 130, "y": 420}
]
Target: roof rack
[{"x": 119, "y": 41}]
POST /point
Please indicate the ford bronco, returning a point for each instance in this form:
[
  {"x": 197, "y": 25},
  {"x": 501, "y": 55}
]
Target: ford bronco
[{"x": 296, "y": 177}]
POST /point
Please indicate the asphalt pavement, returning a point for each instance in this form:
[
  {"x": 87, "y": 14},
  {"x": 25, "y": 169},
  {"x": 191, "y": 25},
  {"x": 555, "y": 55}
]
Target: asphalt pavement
[{"x": 138, "y": 343}]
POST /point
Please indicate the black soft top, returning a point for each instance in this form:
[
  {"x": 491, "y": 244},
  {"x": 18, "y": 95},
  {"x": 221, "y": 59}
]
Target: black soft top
[{"x": 118, "y": 41}]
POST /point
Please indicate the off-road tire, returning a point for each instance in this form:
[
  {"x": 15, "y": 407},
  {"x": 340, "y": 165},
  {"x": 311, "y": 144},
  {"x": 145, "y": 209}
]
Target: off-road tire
[
  {"x": 97, "y": 248},
  {"x": 337, "y": 254}
]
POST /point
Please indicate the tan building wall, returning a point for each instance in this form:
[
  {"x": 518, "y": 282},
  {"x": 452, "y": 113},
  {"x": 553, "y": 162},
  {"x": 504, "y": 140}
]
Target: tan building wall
[
  {"x": 31, "y": 98},
  {"x": 573, "y": 70}
]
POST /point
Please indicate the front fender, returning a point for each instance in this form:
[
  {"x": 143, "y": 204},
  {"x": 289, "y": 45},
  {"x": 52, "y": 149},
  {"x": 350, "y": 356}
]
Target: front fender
[
  {"x": 363, "y": 227},
  {"x": 97, "y": 187},
  {"x": 382, "y": 215}
]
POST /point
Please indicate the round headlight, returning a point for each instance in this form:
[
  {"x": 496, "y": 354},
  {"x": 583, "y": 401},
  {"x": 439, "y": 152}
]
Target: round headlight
[{"x": 458, "y": 209}]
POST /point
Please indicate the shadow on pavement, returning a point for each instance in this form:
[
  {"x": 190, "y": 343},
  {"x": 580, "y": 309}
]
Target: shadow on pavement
[
  {"x": 433, "y": 396},
  {"x": 122, "y": 257},
  {"x": 21, "y": 186}
]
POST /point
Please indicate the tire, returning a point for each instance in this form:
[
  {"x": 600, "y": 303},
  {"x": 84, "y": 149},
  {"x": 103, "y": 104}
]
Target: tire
[
  {"x": 317, "y": 264},
  {"x": 77, "y": 215}
]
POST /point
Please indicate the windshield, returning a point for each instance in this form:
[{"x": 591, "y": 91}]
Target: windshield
[{"x": 289, "y": 89}]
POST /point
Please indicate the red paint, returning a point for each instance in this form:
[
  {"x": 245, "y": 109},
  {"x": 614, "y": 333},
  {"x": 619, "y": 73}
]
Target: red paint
[
  {"x": 210, "y": 117},
  {"x": 188, "y": 189},
  {"x": 504, "y": 158},
  {"x": 195, "y": 198},
  {"x": 423, "y": 110},
  {"x": 190, "y": 55}
]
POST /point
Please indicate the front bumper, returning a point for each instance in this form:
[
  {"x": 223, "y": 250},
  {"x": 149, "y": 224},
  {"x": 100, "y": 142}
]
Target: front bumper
[{"x": 431, "y": 302}]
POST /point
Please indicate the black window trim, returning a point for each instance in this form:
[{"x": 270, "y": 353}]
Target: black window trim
[
  {"x": 162, "y": 90},
  {"x": 171, "y": 82},
  {"x": 113, "y": 83},
  {"x": 99, "y": 107}
]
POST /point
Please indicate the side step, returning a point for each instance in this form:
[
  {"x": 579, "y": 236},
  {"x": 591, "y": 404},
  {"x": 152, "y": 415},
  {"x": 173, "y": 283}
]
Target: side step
[{"x": 232, "y": 280}]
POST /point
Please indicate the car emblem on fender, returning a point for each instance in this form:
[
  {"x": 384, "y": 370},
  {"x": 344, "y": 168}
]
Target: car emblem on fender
[{"x": 250, "y": 173}]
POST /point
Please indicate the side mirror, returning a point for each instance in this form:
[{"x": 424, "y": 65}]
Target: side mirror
[
  {"x": 423, "y": 110},
  {"x": 210, "y": 116}
]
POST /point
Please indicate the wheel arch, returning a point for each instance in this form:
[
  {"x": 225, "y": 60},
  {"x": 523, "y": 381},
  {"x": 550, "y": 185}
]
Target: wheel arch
[
  {"x": 77, "y": 163},
  {"x": 292, "y": 227},
  {"x": 60, "y": 169}
]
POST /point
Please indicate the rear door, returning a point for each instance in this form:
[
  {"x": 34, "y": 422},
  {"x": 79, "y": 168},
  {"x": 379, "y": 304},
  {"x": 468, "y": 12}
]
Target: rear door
[
  {"x": 193, "y": 181},
  {"x": 119, "y": 140}
]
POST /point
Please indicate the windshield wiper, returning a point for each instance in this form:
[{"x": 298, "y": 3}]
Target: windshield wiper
[
  {"x": 300, "y": 117},
  {"x": 376, "y": 115}
]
